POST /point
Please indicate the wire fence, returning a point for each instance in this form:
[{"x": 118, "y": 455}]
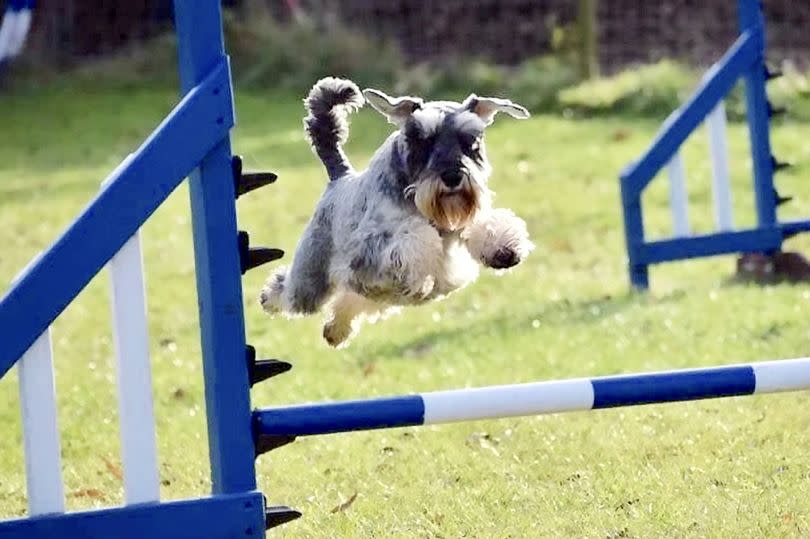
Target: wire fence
[
  {"x": 72, "y": 29},
  {"x": 697, "y": 32},
  {"x": 505, "y": 31}
]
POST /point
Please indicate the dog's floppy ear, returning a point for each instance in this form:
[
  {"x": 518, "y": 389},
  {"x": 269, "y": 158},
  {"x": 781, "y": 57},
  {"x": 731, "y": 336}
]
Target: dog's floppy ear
[
  {"x": 487, "y": 107},
  {"x": 396, "y": 109}
]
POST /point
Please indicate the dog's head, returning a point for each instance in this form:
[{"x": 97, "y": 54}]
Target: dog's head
[{"x": 443, "y": 154}]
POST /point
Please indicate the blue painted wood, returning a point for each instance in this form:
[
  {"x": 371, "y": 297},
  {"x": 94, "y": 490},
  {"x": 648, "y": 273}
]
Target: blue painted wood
[
  {"x": 219, "y": 517},
  {"x": 219, "y": 287},
  {"x": 17, "y": 5},
  {"x": 194, "y": 127},
  {"x": 740, "y": 57},
  {"x": 752, "y": 22},
  {"x": 760, "y": 239},
  {"x": 331, "y": 417},
  {"x": 631, "y": 390},
  {"x": 640, "y": 276},
  {"x": 634, "y": 239},
  {"x": 791, "y": 228}
]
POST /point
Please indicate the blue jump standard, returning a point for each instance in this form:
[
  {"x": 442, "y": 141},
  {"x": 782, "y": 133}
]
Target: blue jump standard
[
  {"x": 192, "y": 141},
  {"x": 534, "y": 398},
  {"x": 744, "y": 60}
]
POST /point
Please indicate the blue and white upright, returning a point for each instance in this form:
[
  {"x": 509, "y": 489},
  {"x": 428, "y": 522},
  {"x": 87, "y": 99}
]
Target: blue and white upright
[{"x": 744, "y": 60}]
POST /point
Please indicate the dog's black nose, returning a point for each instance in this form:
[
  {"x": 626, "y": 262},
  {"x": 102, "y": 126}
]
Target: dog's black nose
[{"x": 451, "y": 178}]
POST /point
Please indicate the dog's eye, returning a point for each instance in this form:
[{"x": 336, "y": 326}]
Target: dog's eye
[
  {"x": 470, "y": 143},
  {"x": 428, "y": 141},
  {"x": 418, "y": 138},
  {"x": 416, "y": 135}
]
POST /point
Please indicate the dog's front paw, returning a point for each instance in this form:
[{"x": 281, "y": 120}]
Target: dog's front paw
[
  {"x": 503, "y": 258},
  {"x": 499, "y": 240}
]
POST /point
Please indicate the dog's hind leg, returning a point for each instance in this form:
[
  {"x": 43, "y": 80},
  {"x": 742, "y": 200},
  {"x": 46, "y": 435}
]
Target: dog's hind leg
[
  {"x": 272, "y": 291},
  {"x": 347, "y": 313},
  {"x": 306, "y": 286}
]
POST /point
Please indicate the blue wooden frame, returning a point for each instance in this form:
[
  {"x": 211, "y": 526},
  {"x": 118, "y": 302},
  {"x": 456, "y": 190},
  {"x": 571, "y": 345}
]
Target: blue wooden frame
[
  {"x": 216, "y": 256},
  {"x": 217, "y": 517},
  {"x": 193, "y": 141},
  {"x": 745, "y": 59},
  {"x": 193, "y": 129}
]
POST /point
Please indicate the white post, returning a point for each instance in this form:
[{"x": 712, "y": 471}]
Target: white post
[
  {"x": 721, "y": 189},
  {"x": 17, "y": 38},
  {"x": 43, "y": 463},
  {"x": 8, "y": 28},
  {"x": 678, "y": 199},
  {"x": 131, "y": 336}
]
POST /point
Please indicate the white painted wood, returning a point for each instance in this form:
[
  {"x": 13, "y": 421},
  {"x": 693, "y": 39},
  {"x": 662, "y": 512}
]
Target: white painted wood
[
  {"x": 507, "y": 401},
  {"x": 678, "y": 198},
  {"x": 784, "y": 375},
  {"x": 136, "y": 411},
  {"x": 8, "y": 27},
  {"x": 17, "y": 37},
  {"x": 721, "y": 187},
  {"x": 43, "y": 462},
  {"x": 131, "y": 336}
]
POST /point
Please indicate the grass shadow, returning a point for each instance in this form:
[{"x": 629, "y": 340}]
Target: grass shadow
[{"x": 559, "y": 314}]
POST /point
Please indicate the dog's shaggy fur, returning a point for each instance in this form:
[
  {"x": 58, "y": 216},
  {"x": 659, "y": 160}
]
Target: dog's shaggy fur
[{"x": 410, "y": 229}]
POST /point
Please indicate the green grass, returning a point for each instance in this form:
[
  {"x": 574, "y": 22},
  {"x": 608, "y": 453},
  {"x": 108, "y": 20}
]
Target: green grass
[{"x": 703, "y": 469}]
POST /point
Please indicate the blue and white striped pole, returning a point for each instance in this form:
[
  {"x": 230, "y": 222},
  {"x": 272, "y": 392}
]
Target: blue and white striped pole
[
  {"x": 534, "y": 398},
  {"x": 14, "y": 28}
]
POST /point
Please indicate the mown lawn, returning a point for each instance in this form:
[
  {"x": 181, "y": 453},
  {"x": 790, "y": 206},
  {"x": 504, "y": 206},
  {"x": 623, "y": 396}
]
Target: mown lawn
[{"x": 704, "y": 469}]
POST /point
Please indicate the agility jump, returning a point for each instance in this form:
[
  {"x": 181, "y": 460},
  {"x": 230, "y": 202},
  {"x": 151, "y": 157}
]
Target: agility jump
[
  {"x": 744, "y": 60},
  {"x": 194, "y": 140}
]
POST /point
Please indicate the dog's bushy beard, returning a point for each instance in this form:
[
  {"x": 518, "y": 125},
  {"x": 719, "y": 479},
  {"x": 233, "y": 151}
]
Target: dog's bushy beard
[{"x": 446, "y": 209}]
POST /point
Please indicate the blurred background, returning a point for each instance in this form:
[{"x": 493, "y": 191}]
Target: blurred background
[
  {"x": 507, "y": 31},
  {"x": 540, "y": 51}
]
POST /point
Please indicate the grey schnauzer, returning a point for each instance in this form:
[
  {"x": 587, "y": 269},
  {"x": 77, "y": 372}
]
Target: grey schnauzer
[{"x": 411, "y": 228}]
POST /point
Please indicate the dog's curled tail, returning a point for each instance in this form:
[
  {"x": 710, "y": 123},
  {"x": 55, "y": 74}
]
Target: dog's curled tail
[{"x": 329, "y": 103}]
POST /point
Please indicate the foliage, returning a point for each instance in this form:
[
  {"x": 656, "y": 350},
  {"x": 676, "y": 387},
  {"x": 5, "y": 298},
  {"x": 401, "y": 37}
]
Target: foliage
[
  {"x": 151, "y": 62},
  {"x": 265, "y": 54},
  {"x": 657, "y": 89},
  {"x": 449, "y": 78},
  {"x": 792, "y": 91},
  {"x": 291, "y": 56},
  {"x": 654, "y": 89},
  {"x": 537, "y": 82}
]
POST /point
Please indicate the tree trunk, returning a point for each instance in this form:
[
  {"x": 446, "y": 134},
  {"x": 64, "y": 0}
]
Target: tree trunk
[{"x": 588, "y": 36}]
